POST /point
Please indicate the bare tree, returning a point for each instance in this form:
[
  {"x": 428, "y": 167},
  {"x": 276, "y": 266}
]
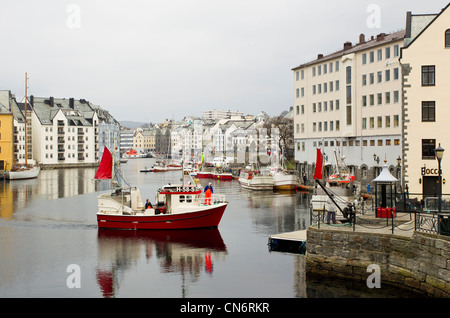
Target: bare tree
[{"x": 285, "y": 127}]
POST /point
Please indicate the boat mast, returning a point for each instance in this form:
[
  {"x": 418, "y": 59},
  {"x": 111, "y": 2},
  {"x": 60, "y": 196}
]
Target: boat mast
[{"x": 26, "y": 137}]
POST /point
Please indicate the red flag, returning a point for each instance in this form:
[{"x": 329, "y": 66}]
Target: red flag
[
  {"x": 319, "y": 162},
  {"x": 104, "y": 170}
]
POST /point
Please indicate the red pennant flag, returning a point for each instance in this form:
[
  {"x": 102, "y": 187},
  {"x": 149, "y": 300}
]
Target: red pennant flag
[
  {"x": 319, "y": 163},
  {"x": 105, "y": 168}
]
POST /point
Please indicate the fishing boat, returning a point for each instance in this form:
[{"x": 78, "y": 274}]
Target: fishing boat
[
  {"x": 256, "y": 180},
  {"x": 341, "y": 184},
  {"x": 30, "y": 169},
  {"x": 132, "y": 153},
  {"x": 221, "y": 175},
  {"x": 285, "y": 180},
  {"x": 180, "y": 206}
]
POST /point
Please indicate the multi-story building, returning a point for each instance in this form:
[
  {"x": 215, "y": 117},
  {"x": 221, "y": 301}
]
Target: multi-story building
[
  {"x": 425, "y": 61},
  {"x": 65, "y": 131},
  {"x": 108, "y": 132},
  {"x": 220, "y": 114},
  {"x": 6, "y": 134},
  {"x": 126, "y": 139},
  {"x": 350, "y": 101}
]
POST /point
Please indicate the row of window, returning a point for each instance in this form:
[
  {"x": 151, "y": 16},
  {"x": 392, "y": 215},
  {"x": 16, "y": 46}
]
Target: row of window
[
  {"x": 370, "y": 99},
  {"x": 369, "y": 123},
  {"x": 370, "y": 79},
  {"x": 351, "y": 143},
  {"x": 379, "y": 52}
]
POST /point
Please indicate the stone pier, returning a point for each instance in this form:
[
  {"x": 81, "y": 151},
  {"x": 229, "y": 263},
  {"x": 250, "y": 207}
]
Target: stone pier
[{"x": 410, "y": 260}]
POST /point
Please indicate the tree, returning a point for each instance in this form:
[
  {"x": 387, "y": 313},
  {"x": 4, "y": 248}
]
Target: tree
[{"x": 285, "y": 126}]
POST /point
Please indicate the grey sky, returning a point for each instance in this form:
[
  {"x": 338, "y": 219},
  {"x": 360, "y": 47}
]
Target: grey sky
[{"x": 147, "y": 60}]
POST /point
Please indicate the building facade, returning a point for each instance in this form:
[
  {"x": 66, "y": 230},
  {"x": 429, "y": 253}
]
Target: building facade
[
  {"x": 426, "y": 70},
  {"x": 349, "y": 102}
]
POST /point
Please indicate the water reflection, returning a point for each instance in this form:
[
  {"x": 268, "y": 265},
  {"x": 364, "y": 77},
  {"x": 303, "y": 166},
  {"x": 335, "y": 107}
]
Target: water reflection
[
  {"x": 51, "y": 184},
  {"x": 187, "y": 252}
]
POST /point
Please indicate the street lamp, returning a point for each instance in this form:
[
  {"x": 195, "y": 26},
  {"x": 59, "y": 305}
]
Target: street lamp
[{"x": 439, "y": 151}]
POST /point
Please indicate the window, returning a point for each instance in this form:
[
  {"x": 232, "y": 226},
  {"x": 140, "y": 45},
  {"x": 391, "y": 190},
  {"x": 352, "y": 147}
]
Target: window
[
  {"x": 428, "y": 111},
  {"x": 364, "y": 58},
  {"x": 388, "y": 53},
  {"x": 396, "y": 73},
  {"x": 337, "y": 85},
  {"x": 396, "y": 50},
  {"x": 364, "y": 100},
  {"x": 337, "y": 66},
  {"x": 379, "y": 122},
  {"x": 380, "y": 54},
  {"x": 388, "y": 97},
  {"x": 364, "y": 80},
  {"x": 387, "y": 121},
  {"x": 349, "y": 115},
  {"x": 428, "y": 147},
  {"x": 349, "y": 74},
  {"x": 380, "y": 77},
  {"x": 447, "y": 38},
  {"x": 388, "y": 75},
  {"x": 364, "y": 123},
  {"x": 428, "y": 75},
  {"x": 372, "y": 57},
  {"x": 349, "y": 94}
]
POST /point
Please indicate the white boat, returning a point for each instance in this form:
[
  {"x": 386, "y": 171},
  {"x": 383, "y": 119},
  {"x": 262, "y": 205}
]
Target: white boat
[
  {"x": 27, "y": 170},
  {"x": 254, "y": 180},
  {"x": 285, "y": 179},
  {"x": 132, "y": 154},
  {"x": 23, "y": 172}
]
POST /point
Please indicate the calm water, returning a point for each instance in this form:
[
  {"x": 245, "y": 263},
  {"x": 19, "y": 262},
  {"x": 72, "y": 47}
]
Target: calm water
[{"x": 48, "y": 224}]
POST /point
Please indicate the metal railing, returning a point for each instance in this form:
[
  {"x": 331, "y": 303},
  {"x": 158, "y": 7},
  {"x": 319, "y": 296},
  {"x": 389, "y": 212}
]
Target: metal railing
[{"x": 423, "y": 216}]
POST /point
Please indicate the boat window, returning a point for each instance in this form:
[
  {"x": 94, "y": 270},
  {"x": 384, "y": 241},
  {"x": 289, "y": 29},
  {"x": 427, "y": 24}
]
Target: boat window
[
  {"x": 182, "y": 198},
  {"x": 189, "y": 198}
]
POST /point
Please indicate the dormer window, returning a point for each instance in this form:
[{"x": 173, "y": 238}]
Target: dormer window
[{"x": 447, "y": 38}]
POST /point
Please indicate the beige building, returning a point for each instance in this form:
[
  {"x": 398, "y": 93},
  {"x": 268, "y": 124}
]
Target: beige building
[
  {"x": 426, "y": 64},
  {"x": 349, "y": 101}
]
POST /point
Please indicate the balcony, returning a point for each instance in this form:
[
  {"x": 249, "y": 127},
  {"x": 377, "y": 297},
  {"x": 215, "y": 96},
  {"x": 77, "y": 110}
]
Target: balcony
[
  {"x": 61, "y": 158},
  {"x": 60, "y": 131},
  {"x": 61, "y": 140},
  {"x": 80, "y": 140},
  {"x": 80, "y": 156}
]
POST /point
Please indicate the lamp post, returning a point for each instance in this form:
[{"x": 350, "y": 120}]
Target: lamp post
[{"x": 439, "y": 151}]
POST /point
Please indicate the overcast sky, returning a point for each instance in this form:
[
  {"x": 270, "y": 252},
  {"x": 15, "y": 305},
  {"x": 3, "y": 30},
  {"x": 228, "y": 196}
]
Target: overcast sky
[{"x": 148, "y": 60}]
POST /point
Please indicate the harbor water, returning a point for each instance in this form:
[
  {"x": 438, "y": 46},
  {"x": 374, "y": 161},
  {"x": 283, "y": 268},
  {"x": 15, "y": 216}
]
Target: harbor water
[{"x": 49, "y": 234}]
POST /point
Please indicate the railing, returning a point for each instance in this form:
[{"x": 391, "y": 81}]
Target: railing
[{"x": 424, "y": 216}]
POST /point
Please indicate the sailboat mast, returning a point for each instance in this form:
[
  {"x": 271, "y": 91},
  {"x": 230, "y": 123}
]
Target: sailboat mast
[{"x": 26, "y": 137}]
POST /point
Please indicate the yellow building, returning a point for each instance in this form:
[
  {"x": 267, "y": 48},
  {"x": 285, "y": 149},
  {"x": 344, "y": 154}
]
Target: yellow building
[
  {"x": 425, "y": 61},
  {"x": 6, "y": 138}
]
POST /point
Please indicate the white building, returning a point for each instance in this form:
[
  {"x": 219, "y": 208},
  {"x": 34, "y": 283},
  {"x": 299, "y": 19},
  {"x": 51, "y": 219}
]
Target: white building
[
  {"x": 221, "y": 114},
  {"x": 425, "y": 60},
  {"x": 65, "y": 131},
  {"x": 350, "y": 101}
]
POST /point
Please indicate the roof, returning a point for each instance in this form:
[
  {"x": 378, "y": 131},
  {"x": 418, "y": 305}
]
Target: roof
[
  {"x": 380, "y": 39},
  {"x": 385, "y": 176},
  {"x": 416, "y": 24},
  {"x": 79, "y": 113}
]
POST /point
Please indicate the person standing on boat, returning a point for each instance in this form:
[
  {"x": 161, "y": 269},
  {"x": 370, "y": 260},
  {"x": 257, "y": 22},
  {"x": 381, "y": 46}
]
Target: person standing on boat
[
  {"x": 331, "y": 209},
  {"x": 148, "y": 205},
  {"x": 208, "y": 192}
]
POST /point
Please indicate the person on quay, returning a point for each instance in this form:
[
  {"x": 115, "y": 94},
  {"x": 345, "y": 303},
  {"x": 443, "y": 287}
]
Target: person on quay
[{"x": 331, "y": 209}]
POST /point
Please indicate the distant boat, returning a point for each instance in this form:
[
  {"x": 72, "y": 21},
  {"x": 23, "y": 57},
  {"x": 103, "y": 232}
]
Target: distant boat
[
  {"x": 24, "y": 171},
  {"x": 254, "y": 180},
  {"x": 131, "y": 154}
]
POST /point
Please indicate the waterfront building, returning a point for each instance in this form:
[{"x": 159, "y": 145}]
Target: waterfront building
[
  {"x": 108, "y": 132},
  {"x": 220, "y": 114},
  {"x": 426, "y": 76},
  {"x": 126, "y": 139},
  {"x": 350, "y": 101},
  {"x": 65, "y": 131},
  {"x": 6, "y": 135}
]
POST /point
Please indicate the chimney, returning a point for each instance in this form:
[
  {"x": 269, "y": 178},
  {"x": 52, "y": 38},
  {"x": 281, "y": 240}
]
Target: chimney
[
  {"x": 71, "y": 103},
  {"x": 347, "y": 45},
  {"x": 362, "y": 38},
  {"x": 320, "y": 56},
  {"x": 52, "y": 101},
  {"x": 381, "y": 36}
]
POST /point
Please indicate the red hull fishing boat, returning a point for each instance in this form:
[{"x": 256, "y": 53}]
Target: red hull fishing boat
[{"x": 177, "y": 206}]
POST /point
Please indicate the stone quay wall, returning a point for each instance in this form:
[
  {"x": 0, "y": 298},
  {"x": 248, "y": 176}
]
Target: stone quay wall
[{"x": 419, "y": 263}]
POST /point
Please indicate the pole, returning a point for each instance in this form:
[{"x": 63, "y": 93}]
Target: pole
[{"x": 440, "y": 193}]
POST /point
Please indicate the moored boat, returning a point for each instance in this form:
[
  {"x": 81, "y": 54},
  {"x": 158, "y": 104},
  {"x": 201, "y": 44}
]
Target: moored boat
[
  {"x": 177, "y": 206},
  {"x": 23, "y": 172},
  {"x": 254, "y": 180},
  {"x": 132, "y": 153},
  {"x": 285, "y": 180}
]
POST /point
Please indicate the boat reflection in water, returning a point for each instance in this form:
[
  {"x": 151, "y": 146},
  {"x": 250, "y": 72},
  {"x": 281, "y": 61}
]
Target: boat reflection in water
[{"x": 187, "y": 252}]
